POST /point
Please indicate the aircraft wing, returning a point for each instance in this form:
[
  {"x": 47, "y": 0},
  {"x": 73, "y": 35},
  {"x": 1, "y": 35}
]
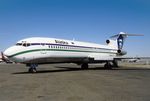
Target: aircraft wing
[{"x": 122, "y": 58}]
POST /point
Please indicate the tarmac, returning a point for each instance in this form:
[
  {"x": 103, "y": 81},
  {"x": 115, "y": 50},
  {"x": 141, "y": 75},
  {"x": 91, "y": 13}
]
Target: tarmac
[{"x": 67, "y": 82}]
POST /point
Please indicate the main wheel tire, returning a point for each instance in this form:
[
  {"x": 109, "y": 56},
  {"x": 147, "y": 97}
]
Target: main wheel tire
[
  {"x": 115, "y": 63},
  {"x": 84, "y": 66},
  {"x": 108, "y": 66}
]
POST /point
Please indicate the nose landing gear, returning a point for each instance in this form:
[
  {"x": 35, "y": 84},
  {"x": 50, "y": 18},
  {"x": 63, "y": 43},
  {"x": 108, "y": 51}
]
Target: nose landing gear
[{"x": 32, "y": 68}]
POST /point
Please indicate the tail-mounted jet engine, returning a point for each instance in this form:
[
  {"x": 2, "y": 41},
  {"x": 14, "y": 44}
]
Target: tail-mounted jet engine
[
  {"x": 121, "y": 52},
  {"x": 107, "y": 41}
]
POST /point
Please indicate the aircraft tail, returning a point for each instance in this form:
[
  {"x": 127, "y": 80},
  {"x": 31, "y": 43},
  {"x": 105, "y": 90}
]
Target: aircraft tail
[{"x": 120, "y": 39}]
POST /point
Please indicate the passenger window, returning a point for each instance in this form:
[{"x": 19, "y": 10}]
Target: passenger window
[
  {"x": 42, "y": 44},
  {"x": 18, "y": 44}
]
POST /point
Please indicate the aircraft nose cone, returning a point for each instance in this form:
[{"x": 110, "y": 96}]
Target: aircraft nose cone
[{"x": 8, "y": 52}]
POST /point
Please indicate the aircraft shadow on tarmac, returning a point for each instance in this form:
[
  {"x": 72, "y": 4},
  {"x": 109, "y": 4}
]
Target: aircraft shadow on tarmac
[{"x": 69, "y": 69}]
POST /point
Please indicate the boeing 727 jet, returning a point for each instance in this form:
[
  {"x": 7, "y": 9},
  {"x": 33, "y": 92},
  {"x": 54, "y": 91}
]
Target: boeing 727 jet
[{"x": 40, "y": 50}]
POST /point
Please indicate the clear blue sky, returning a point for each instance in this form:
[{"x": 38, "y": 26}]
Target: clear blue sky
[{"x": 84, "y": 20}]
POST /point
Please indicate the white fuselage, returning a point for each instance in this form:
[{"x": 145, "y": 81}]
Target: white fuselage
[{"x": 52, "y": 50}]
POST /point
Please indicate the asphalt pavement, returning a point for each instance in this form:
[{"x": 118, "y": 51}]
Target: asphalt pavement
[{"x": 67, "y": 82}]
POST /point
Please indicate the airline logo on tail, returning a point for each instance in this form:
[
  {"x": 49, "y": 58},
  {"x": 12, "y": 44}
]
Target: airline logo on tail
[{"x": 120, "y": 42}]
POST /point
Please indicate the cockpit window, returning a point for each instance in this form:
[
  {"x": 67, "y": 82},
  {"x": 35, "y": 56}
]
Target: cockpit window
[
  {"x": 28, "y": 44},
  {"x": 19, "y": 44},
  {"x": 23, "y": 44}
]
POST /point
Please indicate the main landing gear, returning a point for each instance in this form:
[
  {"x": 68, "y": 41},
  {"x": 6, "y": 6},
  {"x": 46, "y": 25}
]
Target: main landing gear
[
  {"x": 110, "y": 65},
  {"x": 32, "y": 68},
  {"x": 115, "y": 64},
  {"x": 84, "y": 66}
]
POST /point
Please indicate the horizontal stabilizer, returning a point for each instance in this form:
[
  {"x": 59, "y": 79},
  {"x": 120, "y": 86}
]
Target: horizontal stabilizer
[
  {"x": 120, "y": 38},
  {"x": 125, "y": 35}
]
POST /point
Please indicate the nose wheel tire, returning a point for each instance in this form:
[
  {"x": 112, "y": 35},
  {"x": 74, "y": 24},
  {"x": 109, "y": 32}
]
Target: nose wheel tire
[{"x": 32, "y": 68}]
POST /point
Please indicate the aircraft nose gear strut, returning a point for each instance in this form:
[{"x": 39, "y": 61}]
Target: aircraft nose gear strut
[{"x": 32, "y": 68}]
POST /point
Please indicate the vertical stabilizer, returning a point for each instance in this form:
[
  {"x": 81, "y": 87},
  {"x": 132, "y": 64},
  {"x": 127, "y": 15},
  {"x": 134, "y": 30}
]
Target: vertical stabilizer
[{"x": 121, "y": 39}]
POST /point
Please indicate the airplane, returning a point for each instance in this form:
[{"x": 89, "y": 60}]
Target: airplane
[
  {"x": 133, "y": 60},
  {"x": 41, "y": 50}
]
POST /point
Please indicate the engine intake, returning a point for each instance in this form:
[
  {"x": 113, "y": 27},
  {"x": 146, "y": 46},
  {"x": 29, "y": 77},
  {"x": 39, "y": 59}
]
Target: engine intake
[
  {"x": 121, "y": 52},
  {"x": 107, "y": 41}
]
